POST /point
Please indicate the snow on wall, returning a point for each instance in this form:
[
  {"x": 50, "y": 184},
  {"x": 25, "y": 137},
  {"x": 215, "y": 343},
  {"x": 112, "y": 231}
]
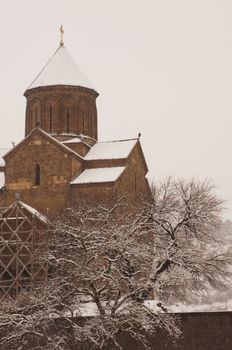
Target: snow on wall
[
  {"x": 111, "y": 150},
  {"x": 61, "y": 69},
  {"x": 99, "y": 175},
  {"x": 182, "y": 307}
]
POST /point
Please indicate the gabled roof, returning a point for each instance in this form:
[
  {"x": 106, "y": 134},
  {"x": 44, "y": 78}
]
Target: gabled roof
[
  {"x": 61, "y": 69},
  {"x": 99, "y": 175},
  {"x": 111, "y": 150},
  {"x": 52, "y": 139}
]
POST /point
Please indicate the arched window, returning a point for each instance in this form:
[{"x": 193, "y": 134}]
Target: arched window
[
  {"x": 89, "y": 125},
  {"x": 51, "y": 109},
  {"x": 35, "y": 112},
  {"x": 50, "y": 118},
  {"x": 37, "y": 175},
  {"x": 37, "y": 118},
  {"x": 83, "y": 122},
  {"x": 68, "y": 120}
]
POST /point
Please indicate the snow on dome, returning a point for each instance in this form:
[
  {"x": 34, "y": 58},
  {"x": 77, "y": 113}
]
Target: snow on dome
[
  {"x": 111, "y": 150},
  {"x": 97, "y": 175},
  {"x": 61, "y": 69}
]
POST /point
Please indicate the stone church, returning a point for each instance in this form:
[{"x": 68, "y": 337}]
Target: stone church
[{"x": 60, "y": 161}]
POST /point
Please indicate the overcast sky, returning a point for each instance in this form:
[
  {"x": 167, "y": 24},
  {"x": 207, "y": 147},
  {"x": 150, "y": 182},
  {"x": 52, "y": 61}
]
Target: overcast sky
[{"x": 162, "y": 68}]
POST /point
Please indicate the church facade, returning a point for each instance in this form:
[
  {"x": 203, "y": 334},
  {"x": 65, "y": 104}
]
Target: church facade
[{"x": 60, "y": 161}]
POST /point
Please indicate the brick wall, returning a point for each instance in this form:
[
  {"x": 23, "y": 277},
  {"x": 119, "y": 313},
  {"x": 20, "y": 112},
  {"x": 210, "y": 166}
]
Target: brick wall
[
  {"x": 2, "y": 202},
  {"x": 62, "y": 109},
  {"x": 133, "y": 181},
  {"x": 56, "y": 170},
  {"x": 205, "y": 331},
  {"x": 200, "y": 331}
]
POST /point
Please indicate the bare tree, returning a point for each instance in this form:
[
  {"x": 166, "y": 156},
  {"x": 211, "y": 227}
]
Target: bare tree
[
  {"x": 189, "y": 255},
  {"x": 100, "y": 263},
  {"x": 104, "y": 262}
]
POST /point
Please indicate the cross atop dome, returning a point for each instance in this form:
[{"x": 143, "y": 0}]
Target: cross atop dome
[{"x": 61, "y": 36}]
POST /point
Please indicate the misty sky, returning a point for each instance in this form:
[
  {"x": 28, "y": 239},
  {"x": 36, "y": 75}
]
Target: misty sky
[{"x": 162, "y": 68}]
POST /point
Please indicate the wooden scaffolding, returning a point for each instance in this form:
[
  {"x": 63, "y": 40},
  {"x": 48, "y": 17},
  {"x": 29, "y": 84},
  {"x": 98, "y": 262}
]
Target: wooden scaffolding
[{"x": 22, "y": 232}]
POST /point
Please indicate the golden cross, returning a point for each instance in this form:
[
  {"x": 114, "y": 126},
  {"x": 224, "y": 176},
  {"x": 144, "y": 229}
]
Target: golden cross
[{"x": 61, "y": 36}]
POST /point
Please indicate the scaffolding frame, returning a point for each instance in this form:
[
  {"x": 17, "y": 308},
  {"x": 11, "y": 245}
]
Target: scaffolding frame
[{"x": 21, "y": 243}]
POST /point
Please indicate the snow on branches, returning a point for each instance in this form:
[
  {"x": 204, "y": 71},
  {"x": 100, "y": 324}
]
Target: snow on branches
[
  {"x": 189, "y": 257},
  {"x": 103, "y": 263}
]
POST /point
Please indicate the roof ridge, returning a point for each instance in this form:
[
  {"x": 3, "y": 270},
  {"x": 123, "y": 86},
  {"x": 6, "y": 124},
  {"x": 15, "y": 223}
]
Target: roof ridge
[
  {"x": 49, "y": 136},
  {"x": 123, "y": 140}
]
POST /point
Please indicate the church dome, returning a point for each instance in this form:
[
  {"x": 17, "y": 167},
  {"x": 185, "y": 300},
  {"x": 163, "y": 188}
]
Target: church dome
[
  {"x": 61, "y": 69},
  {"x": 61, "y": 100}
]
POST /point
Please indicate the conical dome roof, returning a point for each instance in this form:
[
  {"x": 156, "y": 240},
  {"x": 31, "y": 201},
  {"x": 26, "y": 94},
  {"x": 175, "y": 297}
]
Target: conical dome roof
[{"x": 61, "y": 69}]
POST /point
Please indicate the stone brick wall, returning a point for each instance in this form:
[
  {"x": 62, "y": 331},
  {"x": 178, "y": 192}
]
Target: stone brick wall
[
  {"x": 205, "y": 331},
  {"x": 62, "y": 109},
  {"x": 133, "y": 181},
  {"x": 201, "y": 331},
  {"x": 79, "y": 147},
  {"x": 56, "y": 170},
  {"x": 2, "y": 204},
  {"x": 57, "y": 167},
  {"x": 92, "y": 193}
]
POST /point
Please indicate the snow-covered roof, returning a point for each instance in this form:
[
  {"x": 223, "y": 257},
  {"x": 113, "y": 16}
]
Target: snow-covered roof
[
  {"x": 34, "y": 212},
  {"x": 2, "y": 162},
  {"x": 61, "y": 69},
  {"x": 97, "y": 175},
  {"x": 2, "y": 179},
  {"x": 111, "y": 150},
  {"x": 3, "y": 151},
  {"x": 73, "y": 140}
]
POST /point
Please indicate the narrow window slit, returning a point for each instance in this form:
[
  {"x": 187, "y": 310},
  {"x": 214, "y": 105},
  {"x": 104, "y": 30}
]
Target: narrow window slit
[
  {"x": 50, "y": 118},
  {"x": 37, "y": 175},
  {"x": 68, "y": 119}
]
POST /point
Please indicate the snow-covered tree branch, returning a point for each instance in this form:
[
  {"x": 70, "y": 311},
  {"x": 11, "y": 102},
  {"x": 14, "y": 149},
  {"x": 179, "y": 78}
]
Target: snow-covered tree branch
[
  {"x": 105, "y": 262},
  {"x": 189, "y": 255}
]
